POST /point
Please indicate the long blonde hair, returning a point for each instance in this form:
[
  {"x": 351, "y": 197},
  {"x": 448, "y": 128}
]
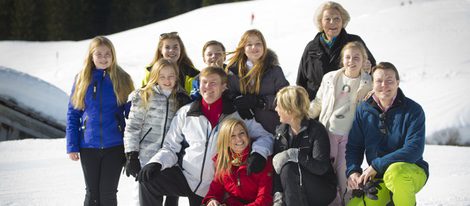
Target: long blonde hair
[
  {"x": 239, "y": 57},
  {"x": 147, "y": 91},
  {"x": 122, "y": 82},
  {"x": 224, "y": 153},
  {"x": 184, "y": 59}
]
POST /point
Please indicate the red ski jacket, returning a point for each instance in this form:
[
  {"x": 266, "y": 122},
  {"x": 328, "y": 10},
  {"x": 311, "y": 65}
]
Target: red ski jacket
[{"x": 238, "y": 188}]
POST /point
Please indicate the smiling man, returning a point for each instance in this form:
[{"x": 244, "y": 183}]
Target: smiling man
[
  {"x": 197, "y": 126},
  {"x": 389, "y": 129}
]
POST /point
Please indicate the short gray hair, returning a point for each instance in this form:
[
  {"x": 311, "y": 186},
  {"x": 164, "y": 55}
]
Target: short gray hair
[{"x": 331, "y": 5}]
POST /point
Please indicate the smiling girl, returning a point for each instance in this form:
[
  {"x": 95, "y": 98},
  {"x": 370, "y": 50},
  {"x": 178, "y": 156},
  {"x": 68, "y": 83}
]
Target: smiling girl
[
  {"x": 171, "y": 47},
  {"x": 335, "y": 104},
  {"x": 95, "y": 121}
]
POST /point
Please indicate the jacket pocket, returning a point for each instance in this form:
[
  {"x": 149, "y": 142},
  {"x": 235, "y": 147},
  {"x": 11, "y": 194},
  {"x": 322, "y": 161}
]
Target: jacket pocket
[{"x": 145, "y": 135}]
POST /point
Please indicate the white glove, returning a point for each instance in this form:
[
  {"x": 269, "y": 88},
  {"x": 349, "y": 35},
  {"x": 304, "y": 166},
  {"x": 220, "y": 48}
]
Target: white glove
[
  {"x": 281, "y": 158},
  {"x": 277, "y": 199}
]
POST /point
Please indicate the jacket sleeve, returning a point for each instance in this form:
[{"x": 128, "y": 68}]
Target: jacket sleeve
[
  {"x": 280, "y": 82},
  {"x": 413, "y": 147},
  {"x": 319, "y": 162},
  {"x": 369, "y": 54},
  {"x": 166, "y": 156},
  {"x": 316, "y": 104},
  {"x": 216, "y": 191},
  {"x": 263, "y": 140},
  {"x": 355, "y": 146},
  {"x": 133, "y": 131},
  {"x": 301, "y": 74},
  {"x": 265, "y": 186},
  {"x": 73, "y": 130}
]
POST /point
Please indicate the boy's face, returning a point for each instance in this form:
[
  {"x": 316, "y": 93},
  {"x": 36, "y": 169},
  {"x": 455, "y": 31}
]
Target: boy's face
[{"x": 214, "y": 55}]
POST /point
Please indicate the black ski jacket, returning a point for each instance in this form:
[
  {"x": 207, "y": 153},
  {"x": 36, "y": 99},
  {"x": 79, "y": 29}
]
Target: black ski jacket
[{"x": 318, "y": 59}]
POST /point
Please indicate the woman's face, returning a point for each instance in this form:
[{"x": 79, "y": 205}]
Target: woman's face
[
  {"x": 239, "y": 139},
  {"x": 214, "y": 55},
  {"x": 353, "y": 61},
  {"x": 332, "y": 23},
  {"x": 171, "y": 50},
  {"x": 284, "y": 117},
  {"x": 254, "y": 48},
  {"x": 167, "y": 78},
  {"x": 102, "y": 57}
]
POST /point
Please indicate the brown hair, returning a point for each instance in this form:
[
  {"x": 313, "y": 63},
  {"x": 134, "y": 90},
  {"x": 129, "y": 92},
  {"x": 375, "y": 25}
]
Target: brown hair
[
  {"x": 184, "y": 59},
  {"x": 385, "y": 66},
  {"x": 239, "y": 57},
  {"x": 214, "y": 70}
]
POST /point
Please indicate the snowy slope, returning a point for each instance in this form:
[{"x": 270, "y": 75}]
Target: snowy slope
[
  {"x": 426, "y": 40},
  {"x": 38, "y": 173}
]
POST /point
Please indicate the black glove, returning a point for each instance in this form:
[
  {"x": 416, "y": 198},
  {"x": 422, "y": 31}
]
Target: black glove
[
  {"x": 249, "y": 101},
  {"x": 255, "y": 163},
  {"x": 132, "y": 164},
  {"x": 149, "y": 171},
  {"x": 372, "y": 188},
  {"x": 246, "y": 113}
]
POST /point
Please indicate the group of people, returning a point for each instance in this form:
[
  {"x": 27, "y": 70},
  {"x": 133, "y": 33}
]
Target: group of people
[{"x": 238, "y": 134}]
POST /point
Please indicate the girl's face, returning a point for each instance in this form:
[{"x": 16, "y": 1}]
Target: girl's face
[
  {"x": 167, "y": 78},
  {"x": 102, "y": 57},
  {"x": 214, "y": 55},
  {"x": 353, "y": 61},
  {"x": 171, "y": 50},
  {"x": 239, "y": 139},
  {"x": 254, "y": 48},
  {"x": 332, "y": 23}
]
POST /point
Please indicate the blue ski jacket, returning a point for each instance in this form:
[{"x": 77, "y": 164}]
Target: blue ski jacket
[
  {"x": 397, "y": 135},
  {"x": 101, "y": 124}
]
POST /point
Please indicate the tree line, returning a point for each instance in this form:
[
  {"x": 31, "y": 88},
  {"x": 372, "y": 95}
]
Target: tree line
[{"x": 52, "y": 20}]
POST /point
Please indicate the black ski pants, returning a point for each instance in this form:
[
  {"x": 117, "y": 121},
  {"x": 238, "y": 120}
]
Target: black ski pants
[
  {"x": 314, "y": 190},
  {"x": 169, "y": 182},
  {"x": 102, "y": 169}
]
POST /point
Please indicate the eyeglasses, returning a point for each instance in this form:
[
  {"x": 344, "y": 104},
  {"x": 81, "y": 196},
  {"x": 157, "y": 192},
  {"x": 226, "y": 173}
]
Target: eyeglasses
[
  {"x": 382, "y": 126},
  {"x": 168, "y": 35}
]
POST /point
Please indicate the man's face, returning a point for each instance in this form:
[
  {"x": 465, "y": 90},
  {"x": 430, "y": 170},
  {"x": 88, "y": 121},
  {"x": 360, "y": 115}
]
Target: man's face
[
  {"x": 211, "y": 88},
  {"x": 385, "y": 84}
]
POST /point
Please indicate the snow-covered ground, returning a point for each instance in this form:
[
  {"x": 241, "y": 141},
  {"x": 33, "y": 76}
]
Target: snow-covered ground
[
  {"x": 37, "y": 173},
  {"x": 426, "y": 40}
]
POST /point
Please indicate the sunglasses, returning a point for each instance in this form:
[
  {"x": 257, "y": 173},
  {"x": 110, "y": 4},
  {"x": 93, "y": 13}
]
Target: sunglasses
[
  {"x": 168, "y": 35},
  {"x": 382, "y": 127}
]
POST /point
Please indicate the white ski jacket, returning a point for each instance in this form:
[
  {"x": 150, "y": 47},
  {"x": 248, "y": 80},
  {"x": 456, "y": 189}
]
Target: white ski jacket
[{"x": 191, "y": 126}]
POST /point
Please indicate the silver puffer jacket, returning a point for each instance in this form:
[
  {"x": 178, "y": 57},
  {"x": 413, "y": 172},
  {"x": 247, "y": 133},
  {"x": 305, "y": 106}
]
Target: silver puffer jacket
[{"x": 146, "y": 127}]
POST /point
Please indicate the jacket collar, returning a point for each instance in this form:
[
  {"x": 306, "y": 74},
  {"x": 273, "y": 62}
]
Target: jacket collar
[
  {"x": 227, "y": 107},
  {"x": 399, "y": 101}
]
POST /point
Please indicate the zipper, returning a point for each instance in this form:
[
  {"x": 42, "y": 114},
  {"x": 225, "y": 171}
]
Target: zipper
[
  {"x": 94, "y": 89},
  {"x": 101, "y": 110},
  {"x": 204, "y": 159},
  {"x": 166, "y": 119},
  {"x": 208, "y": 135}
]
